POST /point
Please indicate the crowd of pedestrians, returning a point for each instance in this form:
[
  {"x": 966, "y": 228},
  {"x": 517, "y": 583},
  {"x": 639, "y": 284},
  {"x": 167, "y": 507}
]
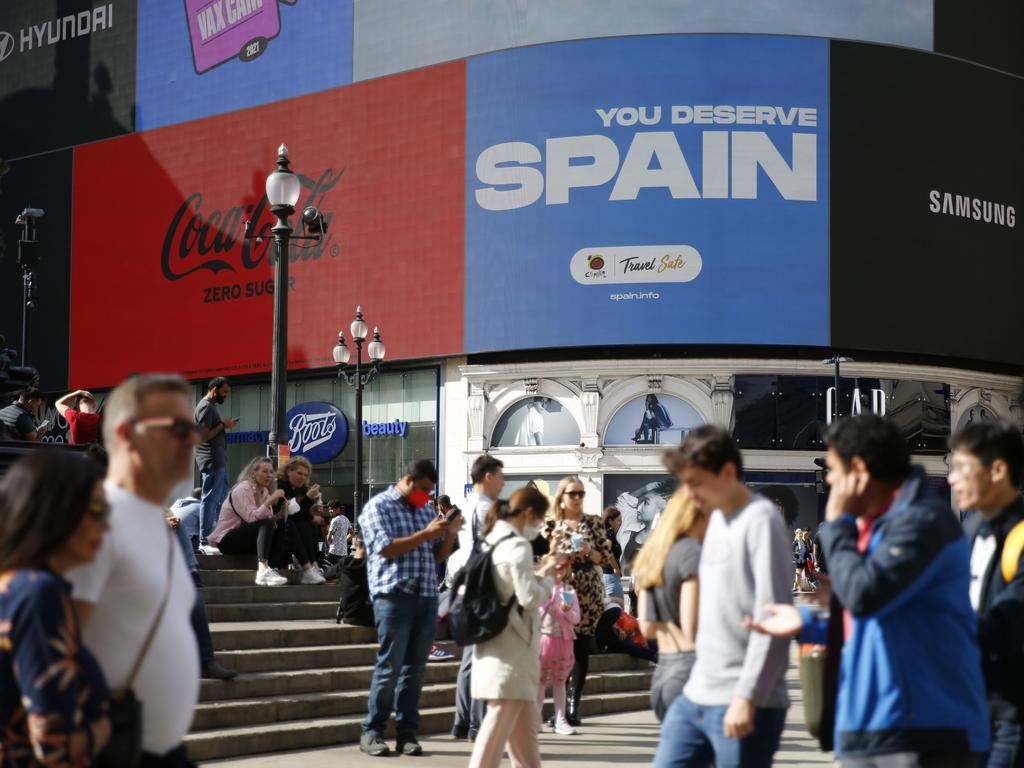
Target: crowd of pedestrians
[{"x": 104, "y": 634}]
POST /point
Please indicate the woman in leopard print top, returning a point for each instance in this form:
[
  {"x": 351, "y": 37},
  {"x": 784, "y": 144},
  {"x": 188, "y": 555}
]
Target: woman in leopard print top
[{"x": 584, "y": 575}]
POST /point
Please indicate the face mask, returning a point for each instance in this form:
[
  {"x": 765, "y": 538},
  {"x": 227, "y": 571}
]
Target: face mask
[
  {"x": 418, "y": 498},
  {"x": 531, "y": 531}
]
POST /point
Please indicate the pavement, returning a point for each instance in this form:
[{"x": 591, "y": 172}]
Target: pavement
[{"x": 619, "y": 740}]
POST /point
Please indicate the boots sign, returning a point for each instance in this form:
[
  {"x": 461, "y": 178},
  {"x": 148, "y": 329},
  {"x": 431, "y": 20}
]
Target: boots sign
[{"x": 317, "y": 431}]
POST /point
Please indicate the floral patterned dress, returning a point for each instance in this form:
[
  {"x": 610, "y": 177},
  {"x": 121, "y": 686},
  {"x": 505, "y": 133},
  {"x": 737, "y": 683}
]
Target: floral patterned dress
[
  {"x": 50, "y": 686},
  {"x": 585, "y": 576}
]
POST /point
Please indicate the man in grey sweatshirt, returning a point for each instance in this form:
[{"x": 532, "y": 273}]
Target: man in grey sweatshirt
[{"x": 733, "y": 708}]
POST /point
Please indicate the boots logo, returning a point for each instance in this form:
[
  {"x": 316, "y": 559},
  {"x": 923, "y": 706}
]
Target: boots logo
[
  {"x": 57, "y": 30},
  {"x": 318, "y": 431},
  {"x": 199, "y": 240},
  {"x": 6, "y": 45}
]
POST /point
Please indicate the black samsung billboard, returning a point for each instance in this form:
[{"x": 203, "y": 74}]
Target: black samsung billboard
[
  {"x": 927, "y": 189},
  {"x": 42, "y": 182}
]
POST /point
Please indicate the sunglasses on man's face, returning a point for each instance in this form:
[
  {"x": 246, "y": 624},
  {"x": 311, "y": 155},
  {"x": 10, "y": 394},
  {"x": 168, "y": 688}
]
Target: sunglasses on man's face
[
  {"x": 575, "y": 494},
  {"x": 180, "y": 428}
]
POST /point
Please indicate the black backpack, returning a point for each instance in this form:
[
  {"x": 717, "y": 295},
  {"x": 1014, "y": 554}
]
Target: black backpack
[{"x": 476, "y": 613}]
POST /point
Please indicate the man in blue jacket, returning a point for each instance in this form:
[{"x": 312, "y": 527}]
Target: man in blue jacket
[
  {"x": 985, "y": 472},
  {"x": 911, "y": 690}
]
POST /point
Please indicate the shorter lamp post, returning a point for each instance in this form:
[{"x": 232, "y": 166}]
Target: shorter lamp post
[{"x": 358, "y": 379}]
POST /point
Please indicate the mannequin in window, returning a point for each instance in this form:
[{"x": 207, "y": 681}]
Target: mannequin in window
[
  {"x": 655, "y": 419},
  {"x": 531, "y": 428}
]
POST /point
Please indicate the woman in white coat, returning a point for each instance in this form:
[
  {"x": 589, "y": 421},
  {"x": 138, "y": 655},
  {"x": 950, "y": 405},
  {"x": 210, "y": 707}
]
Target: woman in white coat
[{"x": 506, "y": 669}]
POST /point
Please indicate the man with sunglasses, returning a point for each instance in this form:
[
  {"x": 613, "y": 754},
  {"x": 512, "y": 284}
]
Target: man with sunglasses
[
  {"x": 139, "y": 584},
  {"x": 405, "y": 539},
  {"x": 212, "y": 458}
]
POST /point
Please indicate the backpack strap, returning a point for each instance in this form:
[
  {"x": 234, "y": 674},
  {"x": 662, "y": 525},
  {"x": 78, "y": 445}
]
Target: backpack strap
[{"x": 1013, "y": 548}]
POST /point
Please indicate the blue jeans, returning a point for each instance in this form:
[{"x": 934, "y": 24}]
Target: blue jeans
[
  {"x": 406, "y": 625},
  {"x": 215, "y": 490},
  {"x": 1007, "y": 747},
  {"x": 186, "y": 547},
  {"x": 692, "y": 737}
]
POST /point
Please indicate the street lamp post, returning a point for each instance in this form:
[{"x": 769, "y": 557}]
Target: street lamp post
[
  {"x": 358, "y": 379},
  {"x": 283, "y": 189},
  {"x": 28, "y": 260}
]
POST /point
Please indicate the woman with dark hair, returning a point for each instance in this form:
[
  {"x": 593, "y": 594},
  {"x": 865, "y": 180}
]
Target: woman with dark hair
[
  {"x": 506, "y": 668},
  {"x": 580, "y": 538},
  {"x": 305, "y": 515},
  {"x": 53, "y": 699},
  {"x": 612, "y": 567}
]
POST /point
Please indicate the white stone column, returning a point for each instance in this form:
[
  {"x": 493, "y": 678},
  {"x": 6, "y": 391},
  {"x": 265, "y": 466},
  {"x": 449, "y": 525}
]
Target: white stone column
[{"x": 723, "y": 389}]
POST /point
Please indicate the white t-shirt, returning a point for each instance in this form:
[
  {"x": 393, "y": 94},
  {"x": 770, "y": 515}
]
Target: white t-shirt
[
  {"x": 339, "y": 535},
  {"x": 126, "y": 583}
]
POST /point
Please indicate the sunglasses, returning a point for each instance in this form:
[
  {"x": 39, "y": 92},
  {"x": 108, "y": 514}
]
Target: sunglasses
[
  {"x": 575, "y": 494},
  {"x": 180, "y": 428}
]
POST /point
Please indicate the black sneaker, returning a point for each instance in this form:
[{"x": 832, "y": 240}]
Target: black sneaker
[
  {"x": 407, "y": 745},
  {"x": 459, "y": 733},
  {"x": 472, "y": 734},
  {"x": 216, "y": 671},
  {"x": 373, "y": 745}
]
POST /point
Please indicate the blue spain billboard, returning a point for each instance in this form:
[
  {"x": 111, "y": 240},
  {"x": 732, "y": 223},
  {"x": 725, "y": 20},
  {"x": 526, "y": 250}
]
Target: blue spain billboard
[
  {"x": 205, "y": 57},
  {"x": 668, "y": 189}
]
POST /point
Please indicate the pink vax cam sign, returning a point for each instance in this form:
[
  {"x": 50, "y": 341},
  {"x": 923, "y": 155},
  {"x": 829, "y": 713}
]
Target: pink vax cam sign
[{"x": 221, "y": 30}]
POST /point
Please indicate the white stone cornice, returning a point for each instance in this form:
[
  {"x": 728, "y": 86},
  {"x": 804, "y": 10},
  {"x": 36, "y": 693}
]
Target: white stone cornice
[{"x": 710, "y": 368}]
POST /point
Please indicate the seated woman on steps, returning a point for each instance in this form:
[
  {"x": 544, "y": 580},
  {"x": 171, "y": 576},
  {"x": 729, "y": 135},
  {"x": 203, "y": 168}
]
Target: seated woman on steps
[
  {"x": 305, "y": 516},
  {"x": 248, "y": 521}
]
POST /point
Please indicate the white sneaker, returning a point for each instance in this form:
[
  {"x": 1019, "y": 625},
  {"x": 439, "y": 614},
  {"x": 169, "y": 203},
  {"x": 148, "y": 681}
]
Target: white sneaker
[
  {"x": 312, "y": 576},
  {"x": 209, "y": 549},
  {"x": 268, "y": 577},
  {"x": 563, "y": 728}
]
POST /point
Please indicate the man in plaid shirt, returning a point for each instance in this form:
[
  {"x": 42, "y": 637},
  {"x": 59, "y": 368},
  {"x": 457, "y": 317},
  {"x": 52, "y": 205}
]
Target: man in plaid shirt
[{"x": 405, "y": 540}]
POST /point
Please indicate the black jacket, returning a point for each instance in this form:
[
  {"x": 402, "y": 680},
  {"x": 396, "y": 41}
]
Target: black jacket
[{"x": 1001, "y": 618}]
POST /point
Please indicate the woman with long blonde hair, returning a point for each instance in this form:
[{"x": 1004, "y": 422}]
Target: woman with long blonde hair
[
  {"x": 580, "y": 538},
  {"x": 665, "y": 577}
]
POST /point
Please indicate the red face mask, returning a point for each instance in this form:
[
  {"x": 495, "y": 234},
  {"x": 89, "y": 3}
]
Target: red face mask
[{"x": 418, "y": 498}]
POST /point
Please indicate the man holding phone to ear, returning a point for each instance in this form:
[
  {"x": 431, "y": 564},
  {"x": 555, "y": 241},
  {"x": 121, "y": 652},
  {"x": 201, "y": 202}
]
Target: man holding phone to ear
[{"x": 404, "y": 540}]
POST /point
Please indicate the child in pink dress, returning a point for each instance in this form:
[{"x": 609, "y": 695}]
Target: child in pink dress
[{"x": 558, "y": 616}]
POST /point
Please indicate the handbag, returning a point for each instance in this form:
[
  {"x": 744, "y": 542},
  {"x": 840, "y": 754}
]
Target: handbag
[
  {"x": 812, "y": 685},
  {"x": 124, "y": 750}
]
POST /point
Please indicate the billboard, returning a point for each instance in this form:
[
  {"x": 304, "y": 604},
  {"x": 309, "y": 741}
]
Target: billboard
[
  {"x": 67, "y": 73},
  {"x": 178, "y": 284},
  {"x": 671, "y": 189},
  {"x": 205, "y": 57},
  {"x": 926, "y": 245},
  {"x": 396, "y": 35},
  {"x": 44, "y": 182}
]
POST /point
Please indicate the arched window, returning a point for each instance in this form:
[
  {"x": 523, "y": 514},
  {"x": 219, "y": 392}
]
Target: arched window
[
  {"x": 535, "y": 421},
  {"x": 652, "y": 419}
]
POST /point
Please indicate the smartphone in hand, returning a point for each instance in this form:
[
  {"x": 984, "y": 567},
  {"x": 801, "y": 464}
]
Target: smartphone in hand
[{"x": 452, "y": 514}]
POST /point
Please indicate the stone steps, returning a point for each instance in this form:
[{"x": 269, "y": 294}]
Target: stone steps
[
  {"x": 271, "y": 611},
  {"x": 286, "y": 593},
  {"x": 321, "y": 731},
  {"x": 304, "y": 679}
]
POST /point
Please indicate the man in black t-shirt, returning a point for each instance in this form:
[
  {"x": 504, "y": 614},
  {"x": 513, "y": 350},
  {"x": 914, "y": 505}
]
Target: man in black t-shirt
[
  {"x": 18, "y": 419},
  {"x": 212, "y": 458}
]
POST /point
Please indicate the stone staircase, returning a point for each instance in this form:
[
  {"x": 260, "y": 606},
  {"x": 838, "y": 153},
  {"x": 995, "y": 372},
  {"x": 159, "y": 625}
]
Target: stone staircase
[{"x": 304, "y": 680}]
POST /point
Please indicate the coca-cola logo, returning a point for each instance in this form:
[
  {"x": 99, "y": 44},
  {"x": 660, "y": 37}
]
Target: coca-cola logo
[
  {"x": 198, "y": 240},
  {"x": 317, "y": 431}
]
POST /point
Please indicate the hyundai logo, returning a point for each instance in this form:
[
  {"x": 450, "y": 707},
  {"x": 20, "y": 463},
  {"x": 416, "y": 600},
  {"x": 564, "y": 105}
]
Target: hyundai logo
[{"x": 6, "y": 45}]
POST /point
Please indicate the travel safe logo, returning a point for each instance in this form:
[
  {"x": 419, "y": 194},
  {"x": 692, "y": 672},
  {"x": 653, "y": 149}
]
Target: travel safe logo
[
  {"x": 222, "y": 30},
  {"x": 636, "y": 264},
  {"x": 318, "y": 431}
]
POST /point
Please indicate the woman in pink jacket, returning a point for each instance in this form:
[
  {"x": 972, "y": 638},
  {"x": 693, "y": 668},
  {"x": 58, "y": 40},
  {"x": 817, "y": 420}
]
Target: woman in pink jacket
[{"x": 559, "y": 615}]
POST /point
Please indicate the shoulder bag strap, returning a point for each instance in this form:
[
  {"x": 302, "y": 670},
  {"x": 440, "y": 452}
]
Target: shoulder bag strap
[
  {"x": 1013, "y": 547},
  {"x": 159, "y": 613}
]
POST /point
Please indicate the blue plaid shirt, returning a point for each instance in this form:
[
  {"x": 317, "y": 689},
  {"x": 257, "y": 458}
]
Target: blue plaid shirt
[{"x": 387, "y": 517}]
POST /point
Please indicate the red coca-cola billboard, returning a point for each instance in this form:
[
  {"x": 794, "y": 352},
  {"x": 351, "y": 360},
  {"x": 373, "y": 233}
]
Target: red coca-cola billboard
[{"x": 163, "y": 278}]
